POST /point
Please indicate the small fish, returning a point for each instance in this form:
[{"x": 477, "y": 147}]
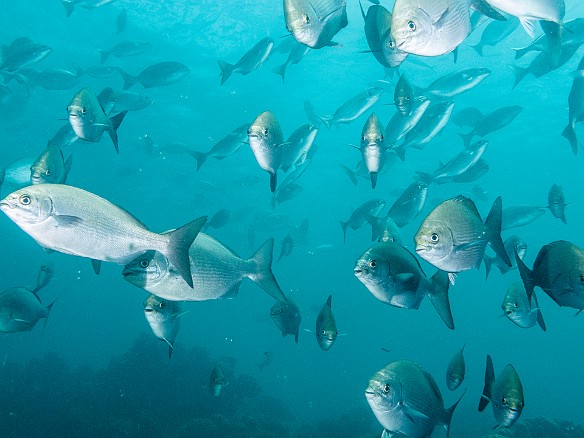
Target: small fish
[
  {"x": 294, "y": 57},
  {"x": 357, "y": 218},
  {"x": 557, "y": 202},
  {"x": 326, "y": 327},
  {"x": 252, "y": 60},
  {"x": 456, "y": 83},
  {"x": 353, "y": 107},
  {"x": 530, "y": 11},
  {"x": 472, "y": 173},
  {"x": 44, "y": 276},
  {"x": 373, "y": 148},
  {"x": 157, "y": 75},
  {"x": 218, "y": 220},
  {"x": 286, "y": 247},
  {"x": 114, "y": 102},
  {"x": 576, "y": 107},
  {"x": 286, "y": 315},
  {"x": 225, "y": 147},
  {"x": 453, "y": 236},
  {"x": 17, "y": 174},
  {"x": 51, "y": 79},
  {"x": 286, "y": 192},
  {"x": 121, "y": 21},
  {"x": 88, "y": 119},
  {"x": 409, "y": 204},
  {"x": 505, "y": 393},
  {"x": 492, "y": 122},
  {"x": 406, "y": 401},
  {"x": 403, "y": 96},
  {"x": 217, "y": 381},
  {"x": 520, "y": 216},
  {"x": 126, "y": 48},
  {"x": 50, "y": 167},
  {"x": 399, "y": 125},
  {"x": 512, "y": 245},
  {"x": 519, "y": 309},
  {"x": 87, "y": 4},
  {"x": 456, "y": 370},
  {"x": 315, "y": 22},
  {"x": 495, "y": 32},
  {"x": 266, "y": 141},
  {"x": 21, "y": 53},
  {"x": 163, "y": 318},
  {"x": 467, "y": 117},
  {"x": 384, "y": 229},
  {"x": 298, "y": 146}
]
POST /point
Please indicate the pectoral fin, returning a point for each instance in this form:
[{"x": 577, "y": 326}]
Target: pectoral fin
[{"x": 67, "y": 221}]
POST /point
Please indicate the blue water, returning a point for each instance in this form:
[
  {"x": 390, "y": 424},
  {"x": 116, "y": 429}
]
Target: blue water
[{"x": 97, "y": 370}]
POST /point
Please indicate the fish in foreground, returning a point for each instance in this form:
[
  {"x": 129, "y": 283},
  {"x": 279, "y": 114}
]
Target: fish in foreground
[
  {"x": 521, "y": 310},
  {"x": 326, "y": 327},
  {"x": 252, "y": 60},
  {"x": 531, "y": 11},
  {"x": 456, "y": 370},
  {"x": 373, "y": 148},
  {"x": 266, "y": 141},
  {"x": 505, "y": 393},
  {"x": 453, "y": 236},
  {"x": 394, "y": 276},
  {"x": 163, "y": 318},
  {"x": 576, "y": 107},
  {"x": 157, "y": 75},
  {"x": 216, "y": 272},
  {"x": 349, "y": 110},
  {"x": 88, "y": 119},
  {"x": 358, "y": 219},
  {"x": 407, "y": 401},
  {"x": 512, "y": 244},
  {"x": 557, "y": 202},
  {"x": 73, "y": 221},
  {"x": 559, "y": 271},
  {"x": 217, "y": 381},
  {"x": 286, "y": 315},
  {"x": 225, "y": 147},
  {"x": 315, "y": 22},
  {"x": 21, "y": 308},
  {"x": 50, "y": 167}
]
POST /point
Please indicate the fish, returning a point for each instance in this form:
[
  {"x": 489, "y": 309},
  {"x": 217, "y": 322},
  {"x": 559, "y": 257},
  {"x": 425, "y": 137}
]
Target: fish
[
  {"x": 88, "y": 119},
  {"x": 124, "y": 49},
  {"x": 519, "y": 309},
  {"x": 163, "y": 318},
  {"x": 22, "y": 52},
  {"x": 373, "y": 148},
  {"x": 326, "y": 327},
  {"x": 394, "y": 276},
  {"x": 409, "y": 204},
  {"x": 121, "y": 21},
  {"x": 453, "y": 236},
  {"x": 114, "y": 102},
  {"x": 574, "y": 35},
  {"x": 50, "y": 79},
  {"x": 217, "y": 381},
  {"x": 218, "y": 220},
  {"x": 576, "y": 107},
  {"x": 315, "y": 22},
  {"x": 495, "y": 32},
  {"x": 298, "y": 146},
  {"x": 512, "y": 244},
  {"x": 384, "y": 229},
  {"x": 17, "y": 174},
  {"x": 492, "y": 122},
  {"x": 520, "y": 216},
  {"x": 251, "y": 60},
  {"x": 44, "y": 276},
  {"x": 76, "y": 222},
  {"x": 557, "y": 202},
  {"x": 286, "y": 192},
  {"x": 87, "y": 4},
  {"x": 559, "y": 271},
  {"x": 286, "y": 315},
  {"x": 294, "y": 57},
  {"x": 266, "y": 141},
  {"x": 456, "y": 83},
  {"x": 357, "y": 218},
  {"x": 459, "y": 164},
  {"x": 399, "y": 125},
  {"x": 456, "y": 370},
  {"x": 403, "y": 96},
  {"x": 157, "y": 75},
  {"x": 352, "y": 108},
  {"x": 225, "y": 147},
  {"x": 505, "y": 393},
  {"x": 473, "y": 173},
  {"x": 50, "y": 167},
  {"x": 216, "y": 272},
  {"x": 286, "y": 247},
  {"x": 467, "y": 117},
  {"x": 406, "y": 401},
  {"x": 531, "y": 11}
]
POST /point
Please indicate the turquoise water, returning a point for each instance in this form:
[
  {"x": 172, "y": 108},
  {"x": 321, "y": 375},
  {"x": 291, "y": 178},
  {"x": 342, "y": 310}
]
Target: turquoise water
[{"x": 97, "y": 349}]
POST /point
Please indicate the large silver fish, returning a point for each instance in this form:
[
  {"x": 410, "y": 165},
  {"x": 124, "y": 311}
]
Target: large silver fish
[
  {"x": 505, "y": 393},
  {"x": 88, "y": 119},
  {"x": 286, "y": 315},
  {"x": 216, "y": 272},
  {"x": 326, "y": 327},
  {"x": 267, "y": 141},
  {"x": 456, "y": 370},
  {"x": 72, "y": 221},
  {"x": 163, "y": 318},
  {"x": 50, "y": 167},
  {"x": 251, "y": 60},
  {"x": 407, "y": 401},
  {"x": 531, "y": 11},
  {"x": 521, "y": 310},
  {"x": 315, "y": 22},
  {"x": 157, "y": 75},
  {"x": 373, "y": 147}
]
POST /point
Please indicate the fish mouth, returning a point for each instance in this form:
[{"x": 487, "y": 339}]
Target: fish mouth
[
  {"x": 148, "y": 309},
  {"x": 358, "y": 271},
  {"x": 422, "y": 248},
  {"x": 5, "y": 204}
]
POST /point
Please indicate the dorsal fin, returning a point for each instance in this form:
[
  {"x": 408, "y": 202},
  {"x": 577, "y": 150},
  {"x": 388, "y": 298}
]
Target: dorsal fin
[{"x": 468, "y": 203}]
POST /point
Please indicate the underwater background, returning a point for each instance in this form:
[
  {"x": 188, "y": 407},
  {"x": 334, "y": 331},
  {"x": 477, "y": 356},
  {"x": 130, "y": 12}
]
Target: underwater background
[{"x": 96, "y": 369}]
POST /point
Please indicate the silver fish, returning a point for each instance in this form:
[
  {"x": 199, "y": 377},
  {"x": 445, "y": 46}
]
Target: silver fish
[
  {"x": 315, "y": 22},
  {"x": 50, "y": 167},
  {"x": 406, "y": 401},
  {"x": 384, "y": 229},
  {"x": 512, "y": 244},
  {"x": 492, "y": 122},
  {"x": 163, "y": 318},
  {"x": 530, "y": 11},
  {"x": 576, "y": 107},
  {"x": 456, "y": 83},
  {"x": 218, "y": 220},
  {"x": 505, "y": 393},
  {"x": 353, "y": 107},
  {"x": 520, "y": 216},
  {"x": 456, "y": 370},
  {"x": 157, "y": 75},
  {"x": 573, "y": 36},
  {"x": 399, "y": 125},
  {"x": 294, "y": 57},
  {"x": 217, "y": 381},
  {"x": 286, "y": 315},
  {"x": 403, "y": 96},
  {"x": 557, "y": 202},
  {"x": 357, "y": 218},
  {"x": 216, "y": 272},
  {"x": 72, "y": 221},
  {"x": 88, "y": 119},
  {"x": 252, "y": 60},
  {"x": 126, "y": 48},
  {"x": 298, "y": 146},
  {"x": 407, "y": 206},
  {"x": 114, "y": 102},
  {"x": 373, "y": 147},
  {"x": 519, "y": 309},
  {"x": 51, "y": 79},
  {"x": 21, "y": 53},
  {"x": 225, "y": 147},
  {"x": 326, "y": 327},
  {"x": 495, "y": 32},
  {"x": 266, "y": 141}
]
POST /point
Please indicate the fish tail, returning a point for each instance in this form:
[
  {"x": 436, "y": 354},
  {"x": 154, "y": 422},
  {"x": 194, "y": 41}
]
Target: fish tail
[
  {"x": 526, "y": 276},
  {"x": 540, "y": 320},
  {"x": 180, "y": 241},
  {"x": 519, "y": 53},
  {"x": 104, "y": 55},
  {"x": 49, "y": 308},
  {"x": 488, "y": 388},
  {"x": 450, "y": 412},
  {"x": 201, "y": 157},
  {"x": 519, "y": 73},
  {"x": 226, "y": 70},
  {"x": 439, "y": 297},
  {"x": 344, "y": 227},
  {"x": 493, "y": 230},
  {"x": 478, "y": 48},
  {"x": 350, "y": 174},
  {"x": 376, "y": 227},
  {"x": 273, "y": 181},
  {"x": 570, "y": 133},
  {"x": 488, "y": 265},
  {"x": 170, "y": 349},
  {"x": 129, "y": 80},
  {"x": 466, "y": 138},
  {"x": 2, "y": 176},
  {"x": 263, "y": 275},
  {"x": 113, "y": 132},
  {"x": 281, "y": 70},
  {"x": 373, "y": 176},
  {"x": 401, "y": 152},
  {"x": 69, "y": 7},
  {"x": 425, "y": 177}
]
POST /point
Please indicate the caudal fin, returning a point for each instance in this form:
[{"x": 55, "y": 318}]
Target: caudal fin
[
  {"x": 466, "y": 138},
  {"x": 540, "y": 320},
  {"x": 129, "y": 80},
  {"x": 104, "y": 55},
  {"x": 488, "y": 388},
  {"x": 526, "y": 276},
  {"x": 373, "y": 176},
  {"x": 488, "y": 264},
  {"x": 113, "y": 132},
  {"x": 493, "y": 230},
  {"x": 449, "y": 413},
  {"x": 344, "y": 227},
  {"x": 350, "y": 174},
  {"x": 570, "y": 133},
  {"x": 226, "y": 70},
  {"x": 69, "y": 7},
  {"x": 201, "y": 157},
  {"x": 180, "y": 241},
  {"x": 281, "y": 70},
  {"x": 479, "y": 48},
  {"x": 263, "y": 275},
  {"x": 439, "y": 297},
  {"x": 519, "y": 73},
  {"x": 273, "y": 181}
]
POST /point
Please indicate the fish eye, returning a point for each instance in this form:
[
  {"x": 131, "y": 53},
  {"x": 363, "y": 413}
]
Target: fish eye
[
  {"x": 434, "y": 238},
  {"x": 144, "y": 263},
  {"x": 306, "y": 19},
  {"x": 581, "y": 279},
  {"x": 386, "y": 388},
  {"x": 266, "y": 132},
  {"x": 504, "y": 400},
  {"x": 372, "y": 264},
  {"x": 391, "y": 44},
  {"x": 381, "y": 137},
  {"x": 516, "y": 305},
  {"x": 363, "y": 137},
  {"x": 411, "y": 25},
  {"x": 24, "y": 200},
  {"x": 161, "y": 305},
  {"x": 248, "y": 131},
  {"x": 48, "y": 172},
  {"x": 323, "y": 332},
  {"x": 82, "y": 110}
]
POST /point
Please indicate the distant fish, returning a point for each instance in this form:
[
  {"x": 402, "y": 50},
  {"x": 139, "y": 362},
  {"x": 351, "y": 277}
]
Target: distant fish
[
  {"x": 456, "y": 83},
  {"x": 286, "y": 315},
  {"x": 298, "y": 146},
  {"x": 121, "y": 21},
  {"x": 315, "y": 22},
  {"x": 163, "y": 318},
  {"x": 218, "y": 220},
  {"x": 492, "y": 122},
  {"x": 557, "y": 202},
  {"x": 286, "y": 246},
  {"x": 51, "y": 79},
  {"x": 521, "y": 310},
  {"x": 126, "y": 48},
  {"x": 373, "y": 147},
  {"x": 467, "y": 117},
  {"x": 403, "y": 96},
  {"x": 87, "y": 4},
  {"x": 576, "y": 107},
  {"x": 409, "y": 204},
  {"x": 157, "y": 75},
  {"x": 358, "y": 219},
  {"x": 495, "y": 32},
  {"x": 119, "y": 101},
  {"x": 512, "y": 244},
  {"x": 217, "y": 381},
  {"x": 22, "y": 52},
  {"x": 225, "y": 147},
  {"x": 326, "y": 327},
  {"x": 520, "y": 216},
  {"x": 399, "y": 125},
  {"x": 456, "y": 370},
  {"x": 294, "y": 57},
  {"x": 250, "y": 61}
]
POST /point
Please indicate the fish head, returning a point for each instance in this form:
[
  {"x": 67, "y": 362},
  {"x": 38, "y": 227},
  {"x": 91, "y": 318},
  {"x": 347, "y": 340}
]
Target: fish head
[
  {"x": 79, "y": 109},
  {"x": 371, "y": 268},
  {"x": 511, "y": 308},
  {"x": 303, "y": 22},
  {"x": 391, "y": 53},
  {"x": 326, "y": 337},
  {"x": 265, "y": 129},
  {"x": 411, "y": 28},
  {"x": 41, "y": 173},
  {"x": 454, "y": 380},
  {"x": 434, "y": 240},
  {"x": 508, "y": 408},
  {"x": 383, "y": 395},
  {"x": 27, "y": 206},
  {"x": 147, "y": 270}
]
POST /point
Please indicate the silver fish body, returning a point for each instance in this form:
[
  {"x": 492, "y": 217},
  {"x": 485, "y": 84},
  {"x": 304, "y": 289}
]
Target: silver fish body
[
  {"x": 50, "y": 167},
  {"x": 492, "y": 122},
  {"x": 315, "y": 22},
  {"x": 373, "y": 149},
  {"x": 530, "y": 11},
  {"x": 225, "y": 147},
  {"x": 409, "y": 204},
  {"x": 163, "y": 318},
  {"x": 354, "y": 107},
  {"x": 297, "y": 146},
  {"x": 456, "y": 370},
  {"x": 326, "y": 327},
  {"x": 519, "y": 309},
  {"x": 251, "y": 60},
  {"x": 520, "y": 216},
  {"x": 399, "y": 125},
  {"x": 456, "y": 83},
  {"x": 266, "y": 141},
  {"x": 157, "y": 75},
  {"x": 217, "y": 381},
  {"x": 557, "y": 202},
  {"x": 357, "y": 218},
  {"x": 126, "y": 48}
]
